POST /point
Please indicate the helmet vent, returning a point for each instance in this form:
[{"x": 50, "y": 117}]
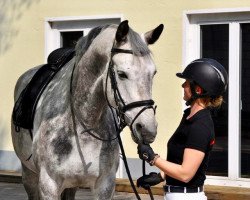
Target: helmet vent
[{"x": 220, "y": 74}]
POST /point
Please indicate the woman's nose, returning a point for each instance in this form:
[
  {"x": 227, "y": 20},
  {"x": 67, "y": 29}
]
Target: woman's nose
[{"x": 185, "y": 84}]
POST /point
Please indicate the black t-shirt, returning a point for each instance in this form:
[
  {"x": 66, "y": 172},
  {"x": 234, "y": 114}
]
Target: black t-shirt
[{"x": 195, "y": 133}]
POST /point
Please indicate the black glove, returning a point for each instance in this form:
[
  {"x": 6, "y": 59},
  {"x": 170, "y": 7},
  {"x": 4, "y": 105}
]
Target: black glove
[
  {"x": 146, "y": 152},
  {"x": 149, "y": 180}
]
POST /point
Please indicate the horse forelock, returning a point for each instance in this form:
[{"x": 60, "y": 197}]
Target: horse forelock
[{"x": 138, "y": 46}]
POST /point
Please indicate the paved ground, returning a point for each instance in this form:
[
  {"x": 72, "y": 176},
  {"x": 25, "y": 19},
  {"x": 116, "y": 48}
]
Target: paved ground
[{"x": 15, "y": 191}]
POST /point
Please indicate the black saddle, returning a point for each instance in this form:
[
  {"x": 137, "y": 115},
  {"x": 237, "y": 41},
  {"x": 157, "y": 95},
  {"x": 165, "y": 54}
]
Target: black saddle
[{"x": 24, "y": 108}]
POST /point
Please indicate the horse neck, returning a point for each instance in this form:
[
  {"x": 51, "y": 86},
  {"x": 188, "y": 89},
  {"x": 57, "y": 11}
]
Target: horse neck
[{"x": 88, "y": 96}]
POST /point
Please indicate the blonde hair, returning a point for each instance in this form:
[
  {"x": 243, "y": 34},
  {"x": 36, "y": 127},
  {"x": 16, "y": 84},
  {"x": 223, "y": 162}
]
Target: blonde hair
[{"x": 212, "y": 102}]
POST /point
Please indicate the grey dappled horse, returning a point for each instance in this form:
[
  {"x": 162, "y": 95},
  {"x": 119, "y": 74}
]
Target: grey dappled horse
[{"x": 76, "y": 106}]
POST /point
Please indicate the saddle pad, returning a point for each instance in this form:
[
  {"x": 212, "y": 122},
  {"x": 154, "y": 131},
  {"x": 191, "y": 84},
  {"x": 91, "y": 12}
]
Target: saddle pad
[{"x": 25, "y": 106}]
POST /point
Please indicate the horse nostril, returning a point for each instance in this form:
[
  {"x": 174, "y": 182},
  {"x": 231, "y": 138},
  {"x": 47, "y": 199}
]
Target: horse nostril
[
  {"x": 138, "y": 127},
  {"x": 144, "y": 133}
]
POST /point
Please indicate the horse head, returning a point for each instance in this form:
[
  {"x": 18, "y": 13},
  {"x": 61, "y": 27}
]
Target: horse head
[{"x": 131, "y": 73}]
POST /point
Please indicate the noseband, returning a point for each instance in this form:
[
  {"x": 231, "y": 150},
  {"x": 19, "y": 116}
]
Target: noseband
[
  {"x": 120, "y": 113},
  {"x": 122, "y": 107}
]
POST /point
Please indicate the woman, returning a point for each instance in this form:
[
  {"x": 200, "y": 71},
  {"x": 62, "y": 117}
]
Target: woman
[{"x": 189, "y": 147}]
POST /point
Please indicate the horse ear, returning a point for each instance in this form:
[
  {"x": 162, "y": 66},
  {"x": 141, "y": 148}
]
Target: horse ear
[
  {"x": 122, "y": 31},
  {"x": 152, "y": 36}
]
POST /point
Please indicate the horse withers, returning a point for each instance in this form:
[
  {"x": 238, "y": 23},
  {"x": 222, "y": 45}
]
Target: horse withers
[{"x": 108, "y": 83}]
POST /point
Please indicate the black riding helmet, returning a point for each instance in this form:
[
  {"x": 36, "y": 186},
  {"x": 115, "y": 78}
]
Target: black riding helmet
[{"x": 209, "y": 74}]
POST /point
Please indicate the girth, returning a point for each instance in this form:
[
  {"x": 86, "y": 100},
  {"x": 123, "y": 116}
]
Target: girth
[{"x": 24, "y": 108}]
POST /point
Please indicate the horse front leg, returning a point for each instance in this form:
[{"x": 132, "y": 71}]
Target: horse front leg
[
  {"x": 104, "y": 188},
  {"x": 30, "y": 182},
  {"x": 49, "y": 189}
]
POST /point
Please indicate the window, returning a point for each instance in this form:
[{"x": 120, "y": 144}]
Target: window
[
  {"x": 214, "y": 44},
  {"x": 245, "y": 100},
  {"x": 69, "y": 39},
  {"x": 225, "y": 36},
  {"x": 65, "y": 31}
]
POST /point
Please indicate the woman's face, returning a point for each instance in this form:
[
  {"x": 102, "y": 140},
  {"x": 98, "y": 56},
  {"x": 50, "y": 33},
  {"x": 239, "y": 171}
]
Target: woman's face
[{"x": 187, "y": 90}]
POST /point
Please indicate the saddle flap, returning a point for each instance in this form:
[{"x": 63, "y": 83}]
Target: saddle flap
[{"x": 24, "y": 108}]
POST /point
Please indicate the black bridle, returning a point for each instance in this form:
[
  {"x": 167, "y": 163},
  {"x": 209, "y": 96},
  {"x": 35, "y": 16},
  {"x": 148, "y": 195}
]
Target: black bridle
[
  {"x": 119, "y": 117},
  {"x": 122, "y": 107},
  {"x": 120, "y": 113}
]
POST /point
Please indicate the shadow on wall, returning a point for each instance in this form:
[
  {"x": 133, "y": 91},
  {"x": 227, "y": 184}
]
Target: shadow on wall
[
  {"x": 10, "y": 12},
  {"x": 8, "y": 159}
]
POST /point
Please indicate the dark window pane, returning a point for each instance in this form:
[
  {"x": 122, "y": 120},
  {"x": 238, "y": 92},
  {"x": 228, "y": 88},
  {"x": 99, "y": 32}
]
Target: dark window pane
[
  {"x": 245, "y": 101},
  {"x": 215, "y": 44},
  {"x": 69, "y": 39}
]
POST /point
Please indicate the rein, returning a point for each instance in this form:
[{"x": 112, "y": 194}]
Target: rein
[
  {"x": 147, "y": 104},
  {"x": 119, "y": 116}
]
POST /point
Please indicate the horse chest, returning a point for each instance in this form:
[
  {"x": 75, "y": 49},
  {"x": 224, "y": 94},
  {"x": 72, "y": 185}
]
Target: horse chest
[{"x": 89, "y": 159}]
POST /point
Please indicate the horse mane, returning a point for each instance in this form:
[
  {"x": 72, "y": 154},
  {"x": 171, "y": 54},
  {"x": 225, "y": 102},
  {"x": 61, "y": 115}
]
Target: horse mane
[
  {"x": 139, "y": 47},
  {"x": 85, "y": 41}
]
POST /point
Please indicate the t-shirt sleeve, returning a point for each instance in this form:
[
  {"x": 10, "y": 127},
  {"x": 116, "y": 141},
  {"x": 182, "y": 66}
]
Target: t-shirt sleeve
[{"x": 198, "y": 138}]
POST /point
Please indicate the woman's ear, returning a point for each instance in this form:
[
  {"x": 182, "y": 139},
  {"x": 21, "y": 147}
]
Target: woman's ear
[{"x": 198, "y": 90}]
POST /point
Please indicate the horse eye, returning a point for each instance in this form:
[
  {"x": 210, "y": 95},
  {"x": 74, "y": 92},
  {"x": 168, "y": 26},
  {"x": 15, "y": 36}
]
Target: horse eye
[{"x": 122, "y": 75}]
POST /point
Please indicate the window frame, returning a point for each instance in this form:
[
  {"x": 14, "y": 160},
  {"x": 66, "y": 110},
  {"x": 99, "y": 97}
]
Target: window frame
[
  {"x": 191, "y": 40},
  {"x": 55, "y": 25}
]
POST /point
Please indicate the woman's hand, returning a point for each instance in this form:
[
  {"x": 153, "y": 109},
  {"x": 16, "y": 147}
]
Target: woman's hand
[
  {"x": 149, "y": 180},
  {"x": 146, "y": 153}
]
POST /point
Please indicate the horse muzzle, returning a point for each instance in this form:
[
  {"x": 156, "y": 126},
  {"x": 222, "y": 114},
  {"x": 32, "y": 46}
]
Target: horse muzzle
[
  {"x": 144, "y": 130},
  {"x": 143, "y": 125}
]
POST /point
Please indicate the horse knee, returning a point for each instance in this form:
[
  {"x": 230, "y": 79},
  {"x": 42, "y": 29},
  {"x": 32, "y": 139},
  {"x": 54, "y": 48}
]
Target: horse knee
[
  {"x": 47, "y": 192},
  {"x": 104, "y": 188}
]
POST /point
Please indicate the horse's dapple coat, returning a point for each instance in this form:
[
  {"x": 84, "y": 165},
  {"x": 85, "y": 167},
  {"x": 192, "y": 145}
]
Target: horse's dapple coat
[{"x": 74, "y": 105}]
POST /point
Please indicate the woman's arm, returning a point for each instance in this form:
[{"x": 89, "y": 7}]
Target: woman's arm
[{"x": 192, "y": 159}]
